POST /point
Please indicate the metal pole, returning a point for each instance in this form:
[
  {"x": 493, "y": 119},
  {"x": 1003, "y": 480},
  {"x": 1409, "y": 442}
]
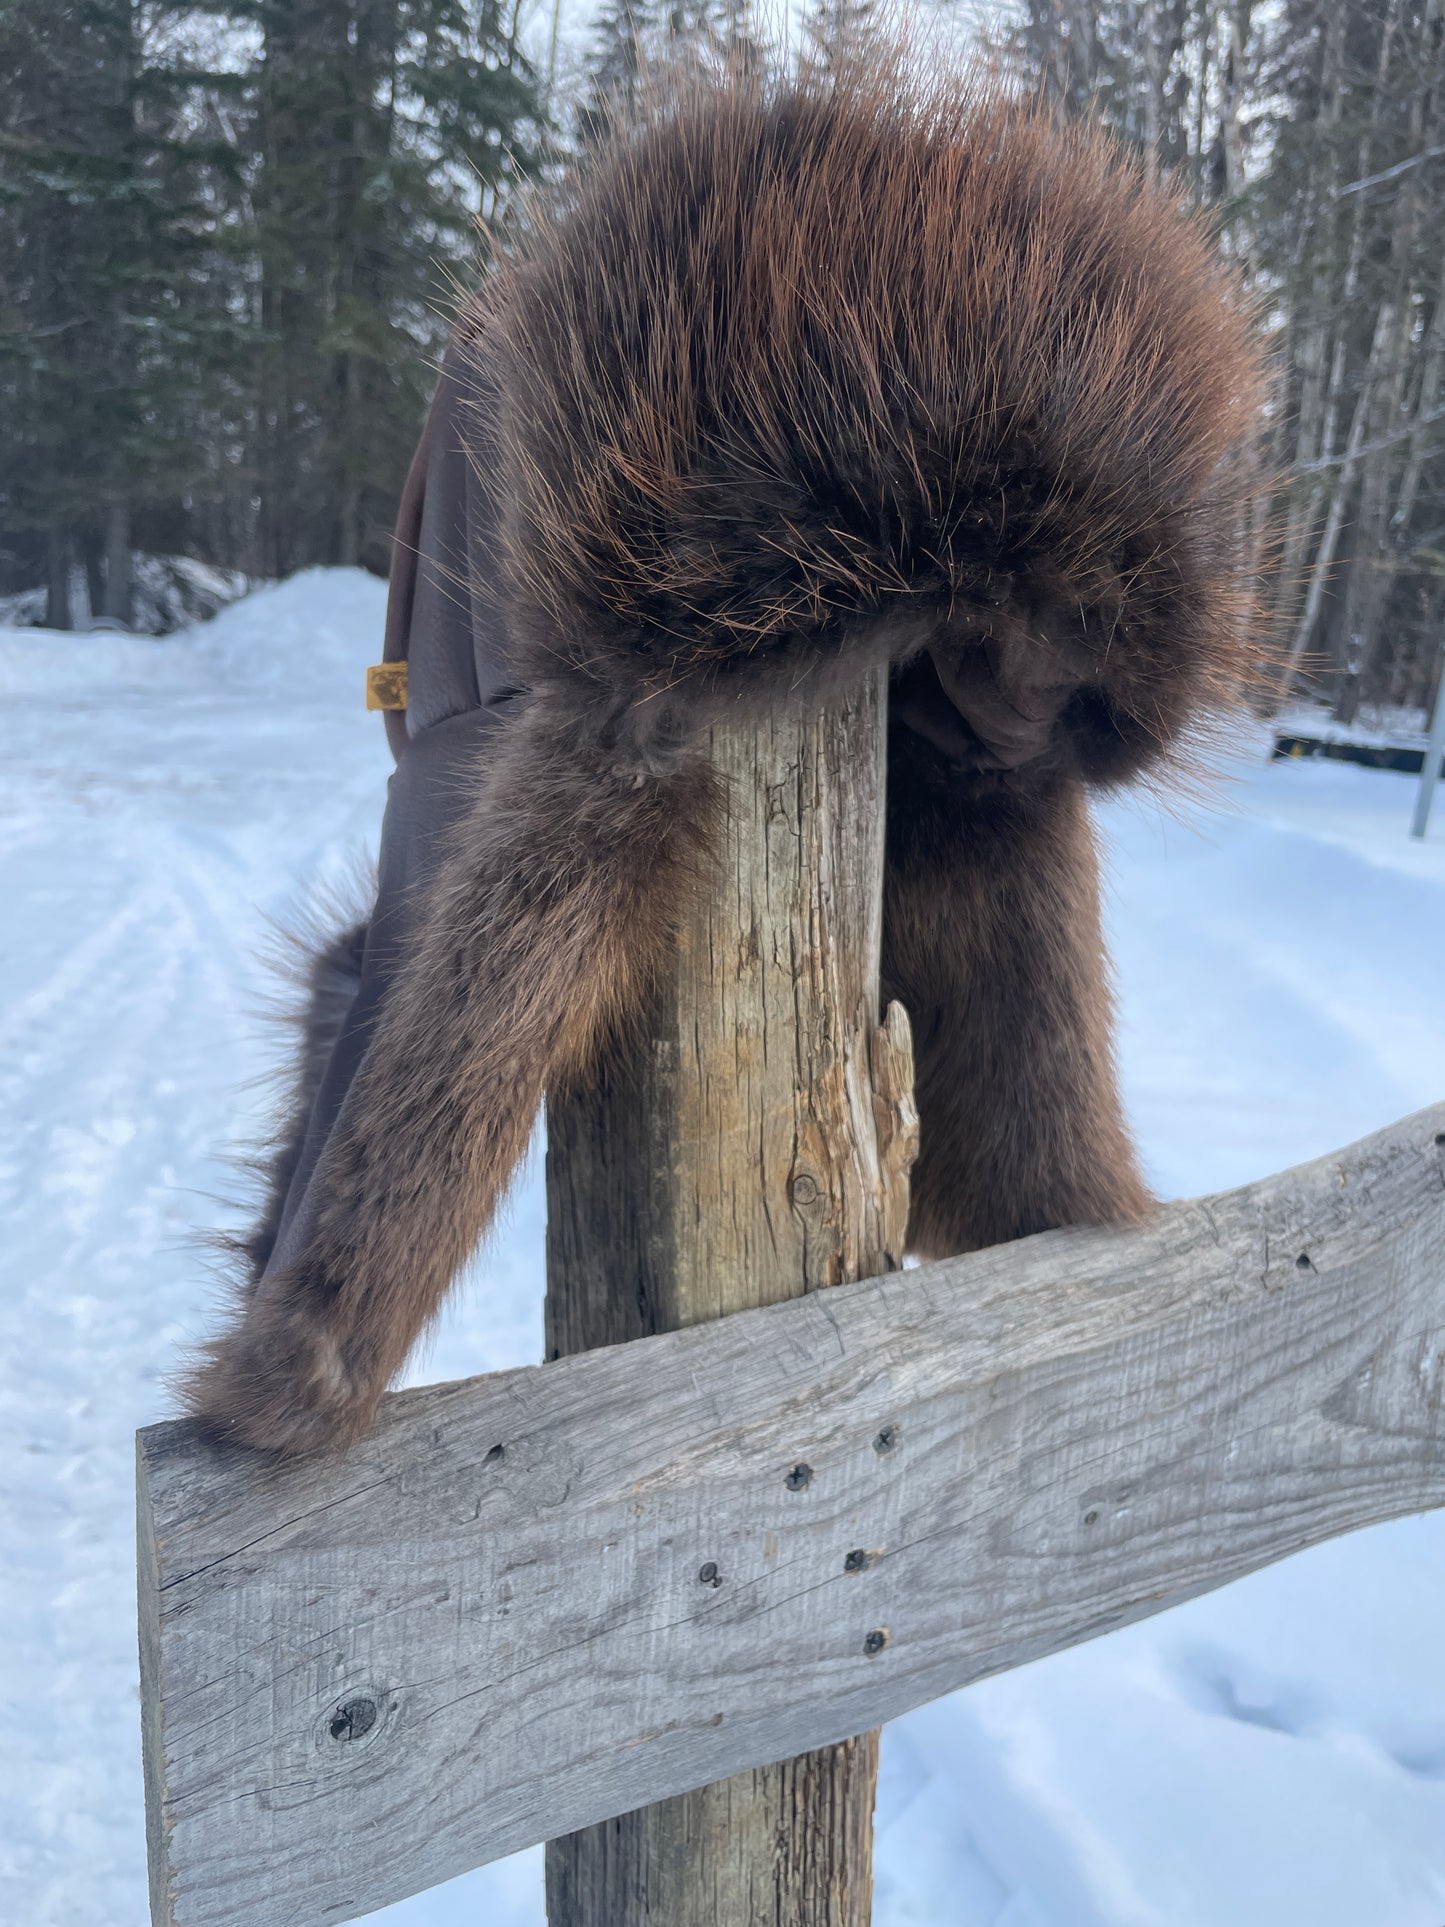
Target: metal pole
[{"x": 1435, "y": 751}]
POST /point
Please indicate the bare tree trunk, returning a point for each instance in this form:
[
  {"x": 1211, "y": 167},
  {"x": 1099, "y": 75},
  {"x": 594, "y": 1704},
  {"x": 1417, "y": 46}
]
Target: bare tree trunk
[
  {"x": 57, "y": 581},
  {"x": 119, "y": 570},
  {"x": 348, "y": 541},
  {"x": 1427, "y": 400},
  {"x": 1151, "y": 33},
  {"x": 553, "y": 31},
  {"x": 1392, "y": 465},
  {"x": 1231, "y": 135},
  {"x": 750, "y": 1142},
  {"x": 1325, "y": 553},
  {"x": 92, "y": 560},
  {"x": 1325, "y": 368}
]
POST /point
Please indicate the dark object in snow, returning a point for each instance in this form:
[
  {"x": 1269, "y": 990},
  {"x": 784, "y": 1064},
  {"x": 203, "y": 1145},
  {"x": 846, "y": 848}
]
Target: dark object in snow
[
  {"x": 1289, "y": 749},
  {"x": 797, "y": 384}
]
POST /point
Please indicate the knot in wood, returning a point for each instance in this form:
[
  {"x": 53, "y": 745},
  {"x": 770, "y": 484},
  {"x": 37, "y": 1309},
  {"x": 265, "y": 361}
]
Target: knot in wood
[{"x": 353, "y": 1718}]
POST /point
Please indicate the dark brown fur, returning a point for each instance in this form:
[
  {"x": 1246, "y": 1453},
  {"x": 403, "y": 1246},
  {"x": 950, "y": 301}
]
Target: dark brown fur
[
  {"x": 548, "y": 916},
  {"x": 327, "y": 978},
  {"x": 799, "y": 383},
  {"x": 991, "y": 942}
]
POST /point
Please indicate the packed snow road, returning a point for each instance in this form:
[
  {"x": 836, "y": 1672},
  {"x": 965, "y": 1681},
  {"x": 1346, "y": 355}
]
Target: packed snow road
[{"x": 1271, "y": 1756}]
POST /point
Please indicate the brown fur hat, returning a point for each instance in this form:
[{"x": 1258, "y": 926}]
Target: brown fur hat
[
  {"x": 795, "y": 382},
  {"x": 799, "y": 378}
]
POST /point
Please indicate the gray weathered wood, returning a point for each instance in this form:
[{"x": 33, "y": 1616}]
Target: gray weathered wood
[
  {"x": 748, "y": 1140},
  {"x": 1023, "y": 1448}
]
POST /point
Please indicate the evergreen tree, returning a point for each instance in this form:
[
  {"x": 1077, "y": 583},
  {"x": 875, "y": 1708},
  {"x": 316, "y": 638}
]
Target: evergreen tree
[
  {"x": 231, "y": 234},
  {"x": 624, "y": 36},
  {"x": 837, "y": 30},
  {"x": 110, "y": 302},
  {"x": 385, "y": 127}
]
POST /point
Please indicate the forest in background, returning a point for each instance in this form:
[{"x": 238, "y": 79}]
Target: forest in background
[
  {"x": 232, "y": 233},
  {"x": 224, "y": 245}
]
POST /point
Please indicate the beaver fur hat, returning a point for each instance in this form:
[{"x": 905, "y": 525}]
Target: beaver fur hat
[{"x": 791, "y": 382}]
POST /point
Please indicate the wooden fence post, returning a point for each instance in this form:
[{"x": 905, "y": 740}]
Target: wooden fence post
[{"x": 749, "y": 1143}]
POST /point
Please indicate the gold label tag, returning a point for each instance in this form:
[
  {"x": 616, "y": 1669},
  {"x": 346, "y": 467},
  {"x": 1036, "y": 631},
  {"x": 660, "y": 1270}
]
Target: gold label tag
[{"x": 386, "y": 685}]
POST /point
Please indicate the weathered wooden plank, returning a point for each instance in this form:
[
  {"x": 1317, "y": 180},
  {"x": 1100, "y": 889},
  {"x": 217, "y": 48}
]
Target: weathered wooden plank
[{"x": 535, "y": 1599}]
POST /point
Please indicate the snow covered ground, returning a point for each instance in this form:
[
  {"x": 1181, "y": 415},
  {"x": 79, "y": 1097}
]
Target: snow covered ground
[
  {"x": 1379, "y": 726},
  {"x": 1270, "y": 1756}
]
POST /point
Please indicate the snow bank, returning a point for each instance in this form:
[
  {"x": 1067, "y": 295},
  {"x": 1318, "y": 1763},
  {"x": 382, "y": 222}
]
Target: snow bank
[
  {"x": 301, "y": 635},
  {"x": 53, "y": 662},
  {"x": 1381, "y": 726},
  {"x": 293, "y": 636},
  {"x": 169, "y": 592}
]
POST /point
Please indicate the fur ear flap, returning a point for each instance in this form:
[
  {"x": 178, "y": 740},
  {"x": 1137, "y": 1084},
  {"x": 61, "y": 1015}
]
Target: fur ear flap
[
  {"x": 992, "y": 943},
  {"x": 325, "y": 967},
  {"x": 557, "y": 901}
]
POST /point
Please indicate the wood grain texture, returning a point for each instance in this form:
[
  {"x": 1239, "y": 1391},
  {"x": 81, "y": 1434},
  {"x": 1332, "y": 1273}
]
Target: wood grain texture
[
  {"x": 1024, "y": 1447},
  {"x": 747, "y": 1142}
]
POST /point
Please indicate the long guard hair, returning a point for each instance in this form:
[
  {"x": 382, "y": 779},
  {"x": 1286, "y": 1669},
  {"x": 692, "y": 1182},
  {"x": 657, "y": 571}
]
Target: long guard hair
[{"x": 799, "y": 380}]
